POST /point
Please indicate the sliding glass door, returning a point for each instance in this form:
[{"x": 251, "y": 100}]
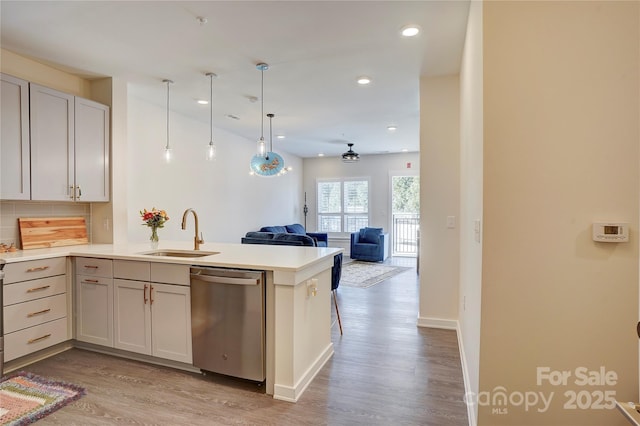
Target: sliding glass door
[{"x": 405, "y": 214}]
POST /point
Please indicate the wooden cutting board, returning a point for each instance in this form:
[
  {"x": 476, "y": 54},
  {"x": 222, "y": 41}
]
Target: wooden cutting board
[{"x": 43, "y": 232}]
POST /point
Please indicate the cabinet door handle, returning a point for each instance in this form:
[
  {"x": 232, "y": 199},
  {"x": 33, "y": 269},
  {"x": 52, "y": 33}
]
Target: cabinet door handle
[
  {"x": 145, "y": 294},
  {"x": 91, "y": 266},
  {"x": 151, "y": 296},
  {"x": 79, "y": 192},
  {"x": 33, "y": 314},
  {"x": 44, "y": 287},
  {"x": 88, "y": 281},
  {"x": 38, "y": 269},
  {"x": 39, "y": 338}
]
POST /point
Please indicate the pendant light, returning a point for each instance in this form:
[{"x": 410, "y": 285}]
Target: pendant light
[
  {"x": 271, "y": 164},
  {"x": 211, "y": 150},
  {"x": 350, "y": 156},
  {"x": 168, "y": 154},
  {"x": 262, "y": 146}
]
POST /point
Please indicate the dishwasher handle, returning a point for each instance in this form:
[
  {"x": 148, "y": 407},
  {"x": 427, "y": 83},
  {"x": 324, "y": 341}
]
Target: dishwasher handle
[{"x": 225, "y": 280}]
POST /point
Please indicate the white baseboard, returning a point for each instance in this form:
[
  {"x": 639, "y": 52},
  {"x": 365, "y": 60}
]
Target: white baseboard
[
  {"x": 446, "y": 324},
  {"x": 293, "y": 393},
  {"x": 471, "y": 413}
]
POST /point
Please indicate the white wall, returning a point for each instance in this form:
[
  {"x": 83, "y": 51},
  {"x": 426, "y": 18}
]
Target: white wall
[
  {"x": 229, "y": 201},
  {"x": 440, "y": 198},
  {"x": 471, "y": 125},
  {"x": 377, "y": 168},
  {"x": 561, "y": 150}
]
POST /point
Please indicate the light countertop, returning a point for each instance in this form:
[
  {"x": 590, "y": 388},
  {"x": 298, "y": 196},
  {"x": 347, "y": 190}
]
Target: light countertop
[{"x": 247, "y": 256}]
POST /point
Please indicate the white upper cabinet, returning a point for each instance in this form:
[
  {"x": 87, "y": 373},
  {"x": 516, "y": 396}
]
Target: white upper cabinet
[
  {"x": 14, "y": 139},
  {"x": 69, "y": 147},
  {"x": 52, "y": 144},
  {"x": 91, "y": 150}
]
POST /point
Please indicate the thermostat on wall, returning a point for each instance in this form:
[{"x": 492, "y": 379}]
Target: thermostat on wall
[{"x": 607, "y": 232}]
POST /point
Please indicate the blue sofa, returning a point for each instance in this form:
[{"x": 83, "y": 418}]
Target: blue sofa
[
  {"x": 370, "y": 244},
  {"x": 281, "y": 239},
  {"x": 322, "y": 240}
]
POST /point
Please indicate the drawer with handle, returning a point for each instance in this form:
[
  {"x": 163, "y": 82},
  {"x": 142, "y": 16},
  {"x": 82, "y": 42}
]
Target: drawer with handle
[
  {"x": 94, "y": 266},
  {"x": 35, "y": 289},
  {"x": 34, "y": 269},
  {"x": 28, "y": 314},
  {"x": 33, "y": 339}
]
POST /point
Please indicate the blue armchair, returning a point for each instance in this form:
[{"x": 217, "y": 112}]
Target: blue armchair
[{"x": 370, "y": 244}]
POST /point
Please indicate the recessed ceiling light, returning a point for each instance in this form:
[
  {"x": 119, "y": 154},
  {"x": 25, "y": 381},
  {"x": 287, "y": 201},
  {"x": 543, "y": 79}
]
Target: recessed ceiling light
[
  {"x": 392, "y": 128},
  {"x": 405, "y": 150},
  {"x": 203, "y": 102},
  {"x": 410, "y": 31},
  {"x": 280, "y": 136},
  {"x": 364, "y": 80},
  {"x": 321, "y": 155}
]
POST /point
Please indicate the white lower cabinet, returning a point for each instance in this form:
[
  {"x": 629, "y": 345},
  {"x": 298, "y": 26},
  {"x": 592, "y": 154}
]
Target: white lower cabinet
[
  {"x": 152, "y": 318},
  {"x": 132, "y": 316},
  {"x": 35, "y": 306},
  {"x": 94, "y": 307},
  {"x": 94, "y": 300},
  {"x": 171, "y": 322}
]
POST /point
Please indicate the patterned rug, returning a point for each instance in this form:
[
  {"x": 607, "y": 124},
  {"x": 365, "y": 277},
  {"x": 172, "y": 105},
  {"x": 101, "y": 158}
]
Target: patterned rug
[
  {"x": 26, "y": 398},
  {"x": 365, "y": 274}
]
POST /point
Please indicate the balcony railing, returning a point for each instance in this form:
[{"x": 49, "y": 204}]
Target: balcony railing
[{"x": 405, "y": 233}]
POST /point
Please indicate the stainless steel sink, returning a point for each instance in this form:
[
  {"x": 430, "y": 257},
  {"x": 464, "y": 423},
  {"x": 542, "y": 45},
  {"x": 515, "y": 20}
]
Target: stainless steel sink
[{"x": 180, "y": 253}]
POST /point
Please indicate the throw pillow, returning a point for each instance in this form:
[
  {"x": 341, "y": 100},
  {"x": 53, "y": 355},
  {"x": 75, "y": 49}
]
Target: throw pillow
[
  {"x": 295, "y": 228},
  {"x": 276, "y": 229},
  {"x": 370, "y": 235}
]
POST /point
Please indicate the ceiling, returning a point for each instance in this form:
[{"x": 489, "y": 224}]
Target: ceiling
[{"x": 315, "y": 51}]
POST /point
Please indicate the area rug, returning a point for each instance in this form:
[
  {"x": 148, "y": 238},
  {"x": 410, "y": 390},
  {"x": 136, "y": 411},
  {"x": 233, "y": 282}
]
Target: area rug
[
  {"x": 365, "y": 274},
  {"x": 26, "y": 398}
]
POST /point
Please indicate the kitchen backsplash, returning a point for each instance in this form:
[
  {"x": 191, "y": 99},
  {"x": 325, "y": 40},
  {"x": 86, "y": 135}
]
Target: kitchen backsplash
[{"x": 10, "y": 211}]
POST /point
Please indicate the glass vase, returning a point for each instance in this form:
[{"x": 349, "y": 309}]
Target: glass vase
[{"x": 154, "y": 237}]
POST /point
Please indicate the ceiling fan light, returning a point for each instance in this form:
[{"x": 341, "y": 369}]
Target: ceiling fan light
[{"x": 350, "y": 156}]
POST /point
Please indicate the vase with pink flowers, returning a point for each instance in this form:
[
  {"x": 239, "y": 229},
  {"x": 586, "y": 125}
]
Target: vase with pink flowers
[{"x": 154, "y": 219}]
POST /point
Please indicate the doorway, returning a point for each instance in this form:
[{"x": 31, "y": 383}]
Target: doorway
[{"x": 405, "y": 214}]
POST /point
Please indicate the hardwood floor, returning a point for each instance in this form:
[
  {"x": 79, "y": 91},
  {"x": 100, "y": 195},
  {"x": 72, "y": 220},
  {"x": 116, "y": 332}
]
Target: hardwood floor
[{"x": 385, "y": 371}]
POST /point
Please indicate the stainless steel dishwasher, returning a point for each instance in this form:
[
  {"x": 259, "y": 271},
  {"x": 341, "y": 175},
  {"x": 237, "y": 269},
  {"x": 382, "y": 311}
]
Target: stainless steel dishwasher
[{"x": 228, "y": 321}]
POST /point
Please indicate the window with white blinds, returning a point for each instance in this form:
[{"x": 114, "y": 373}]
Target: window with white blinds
[{"x": 343, "y": 205}]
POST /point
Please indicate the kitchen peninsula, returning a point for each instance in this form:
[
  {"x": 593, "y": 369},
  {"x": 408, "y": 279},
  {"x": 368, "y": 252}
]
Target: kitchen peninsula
[{"x": 298, "y": 308}]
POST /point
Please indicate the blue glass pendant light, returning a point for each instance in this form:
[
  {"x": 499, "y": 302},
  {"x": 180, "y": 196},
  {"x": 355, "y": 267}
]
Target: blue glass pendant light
[
  {"x": 266, "y": 162},
  {"x": 272, "y": 164}
]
